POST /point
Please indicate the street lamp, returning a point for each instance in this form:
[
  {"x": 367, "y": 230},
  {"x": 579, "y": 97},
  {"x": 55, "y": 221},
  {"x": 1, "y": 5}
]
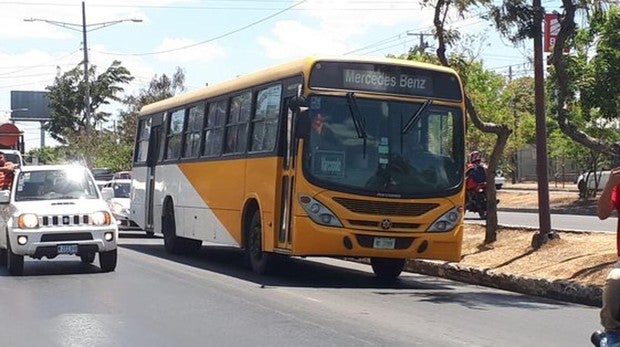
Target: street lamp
[{"x": 84, "y": 29}]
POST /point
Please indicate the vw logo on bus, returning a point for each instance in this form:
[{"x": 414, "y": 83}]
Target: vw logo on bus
[{"x": 386, "y": 224}]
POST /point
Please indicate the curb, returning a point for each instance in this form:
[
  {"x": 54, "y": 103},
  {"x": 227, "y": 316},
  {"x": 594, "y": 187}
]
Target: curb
[{"x": 558, "y": 289}]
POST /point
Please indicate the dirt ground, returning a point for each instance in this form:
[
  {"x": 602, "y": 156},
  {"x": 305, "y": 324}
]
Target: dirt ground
[{"x": 582, "y": 257}]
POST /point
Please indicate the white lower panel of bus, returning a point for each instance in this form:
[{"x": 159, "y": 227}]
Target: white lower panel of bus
[{"x": 194, "y": 219}]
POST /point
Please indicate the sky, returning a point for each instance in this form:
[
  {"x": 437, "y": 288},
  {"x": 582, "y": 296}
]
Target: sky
[{"x": 213, "y": 41}]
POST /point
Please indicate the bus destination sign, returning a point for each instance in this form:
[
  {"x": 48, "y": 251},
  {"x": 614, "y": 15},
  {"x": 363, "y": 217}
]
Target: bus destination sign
[
  {"x": 392, "y": 79},
  {"x": 384, "y": 82}
]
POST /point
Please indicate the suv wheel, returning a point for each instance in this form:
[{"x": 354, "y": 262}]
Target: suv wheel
[
  {"x": 107, "y": 260},
  {"x": 14, "y": 262}
]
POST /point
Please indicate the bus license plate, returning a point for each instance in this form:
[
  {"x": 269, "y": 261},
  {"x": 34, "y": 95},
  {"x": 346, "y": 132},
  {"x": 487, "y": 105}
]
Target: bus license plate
[
  {"x": 384, "y": 242},
  {"x": 67, "y": 249}
]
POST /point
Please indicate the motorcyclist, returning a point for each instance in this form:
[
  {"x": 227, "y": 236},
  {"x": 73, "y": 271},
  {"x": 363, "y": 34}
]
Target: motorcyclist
[{"x": 476, "y": 171}]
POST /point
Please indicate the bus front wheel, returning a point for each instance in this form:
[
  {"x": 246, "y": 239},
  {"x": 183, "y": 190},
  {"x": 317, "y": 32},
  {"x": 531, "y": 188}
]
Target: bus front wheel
[
  {"x": 259, "y": 261},
  {"x": 387, "y": 269}
]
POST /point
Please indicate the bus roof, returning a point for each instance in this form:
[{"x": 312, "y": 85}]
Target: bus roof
[{"x": 272, "y": 73}]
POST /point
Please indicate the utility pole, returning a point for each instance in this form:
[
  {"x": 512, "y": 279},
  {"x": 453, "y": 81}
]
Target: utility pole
[
  {"x": 422, "y": 45},
  {"x": 84, "y": 28},
  {"x": 544, "y": 216},
  {"x": 87, "y": 112}
]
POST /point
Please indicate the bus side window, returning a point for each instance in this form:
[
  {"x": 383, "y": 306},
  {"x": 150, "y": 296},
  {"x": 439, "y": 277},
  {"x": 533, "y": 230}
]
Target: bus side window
[{"x": 265, "y": 120}]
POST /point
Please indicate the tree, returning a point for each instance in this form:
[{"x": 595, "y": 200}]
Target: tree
[
  {"x": 159, "y": 88},
  {"x": 583, "y": 85},
  {"x": 445, "y": 38},
  {"x": 66, "y": 99}
]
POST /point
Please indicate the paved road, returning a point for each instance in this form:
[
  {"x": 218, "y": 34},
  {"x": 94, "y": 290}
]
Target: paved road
[
  {"x": 154, "y": 299},
  {"x": 558, "y": 221}
]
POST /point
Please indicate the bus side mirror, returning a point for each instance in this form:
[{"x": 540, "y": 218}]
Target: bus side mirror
[{"x": 297, "y": 102}]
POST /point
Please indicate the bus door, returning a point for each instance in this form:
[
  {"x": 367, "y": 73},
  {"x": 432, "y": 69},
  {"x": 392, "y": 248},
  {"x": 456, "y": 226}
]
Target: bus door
[
  {"x": 151, "y": 165},
  {"x": 292, "y": 88}
]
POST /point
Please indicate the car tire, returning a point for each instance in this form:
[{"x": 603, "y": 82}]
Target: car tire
[
  {"x": 387, "y": 269},
  {"x": 14, "y": 262},
  {"x": 107, "y": 260},
  {"x": 3, "y": 257},
  {"x": 87, "y": 258}
]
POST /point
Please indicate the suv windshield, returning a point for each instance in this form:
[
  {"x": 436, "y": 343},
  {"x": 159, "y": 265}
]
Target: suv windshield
[
  {"x": 74, "y": 183},
  {"x": 412, "y": 149}
]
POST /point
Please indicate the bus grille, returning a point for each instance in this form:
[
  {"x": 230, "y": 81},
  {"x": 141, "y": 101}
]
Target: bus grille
[
  {"x": 65, "y": 220},
  {"x": 386, "y": 208},
  {"x": 395, "y": 225}
]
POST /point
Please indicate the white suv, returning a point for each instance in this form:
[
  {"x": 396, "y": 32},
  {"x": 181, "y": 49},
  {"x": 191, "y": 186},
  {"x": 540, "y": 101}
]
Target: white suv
[{"x": 54, "y": 210}]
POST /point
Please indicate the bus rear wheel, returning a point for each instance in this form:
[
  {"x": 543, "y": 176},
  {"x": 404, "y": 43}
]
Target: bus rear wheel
[
  {"x": 387, "y": 269},
  {"x": 173, "y": 243},
  {"x": 260, "y": 262}
]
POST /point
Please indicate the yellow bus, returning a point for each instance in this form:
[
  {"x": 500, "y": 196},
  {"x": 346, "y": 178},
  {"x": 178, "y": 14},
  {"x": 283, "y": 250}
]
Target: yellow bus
[{"x": 340, "y": 157}]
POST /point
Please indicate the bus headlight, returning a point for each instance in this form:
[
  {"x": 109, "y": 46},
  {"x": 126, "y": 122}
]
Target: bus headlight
[
  {"x": 318, "y": 213},
  {"x": 100, "y": 218},
  {"x": 28, "y": 221},
  {"x": 447, "y": 221}
]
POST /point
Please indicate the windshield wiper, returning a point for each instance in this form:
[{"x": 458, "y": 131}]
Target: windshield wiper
[
  {"x": 416, "y": 116},
  {"x": 360, "y": 125},
  {"x": 358, "y": 121}
]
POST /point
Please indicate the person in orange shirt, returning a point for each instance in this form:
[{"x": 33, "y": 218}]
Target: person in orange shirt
[
  {"x": 610, "y": 312},
  {"x": 7, "y": 170}
]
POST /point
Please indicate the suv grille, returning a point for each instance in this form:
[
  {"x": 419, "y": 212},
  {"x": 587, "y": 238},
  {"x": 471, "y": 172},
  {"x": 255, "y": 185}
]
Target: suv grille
[
  {"x": 386, "y": 208},
  {"x": 65, "y": 220}
]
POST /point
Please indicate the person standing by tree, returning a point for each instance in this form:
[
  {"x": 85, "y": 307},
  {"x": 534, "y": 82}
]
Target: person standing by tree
[
  {"x": 6, "y": 172},
  {"x": 610, "y": 312}
]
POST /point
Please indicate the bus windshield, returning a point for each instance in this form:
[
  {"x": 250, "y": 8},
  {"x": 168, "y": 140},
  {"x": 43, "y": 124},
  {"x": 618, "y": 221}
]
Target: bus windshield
[{"x": 407, "y": 148}]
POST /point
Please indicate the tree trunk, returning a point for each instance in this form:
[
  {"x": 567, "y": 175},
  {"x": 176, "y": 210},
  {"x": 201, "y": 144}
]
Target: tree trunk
[{"x": 500, "y": 130}]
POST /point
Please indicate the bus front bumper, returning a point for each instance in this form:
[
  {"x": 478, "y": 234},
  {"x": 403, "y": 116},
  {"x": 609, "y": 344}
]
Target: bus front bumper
[{"x": 311, "y": 239}]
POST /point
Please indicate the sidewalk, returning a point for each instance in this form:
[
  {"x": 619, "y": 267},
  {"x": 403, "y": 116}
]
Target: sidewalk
[
  {"x": 563, "y": 290},
  {"x": 553, "y": 186}
]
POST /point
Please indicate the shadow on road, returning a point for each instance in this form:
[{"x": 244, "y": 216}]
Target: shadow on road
[{"x": 313, "y": 273}]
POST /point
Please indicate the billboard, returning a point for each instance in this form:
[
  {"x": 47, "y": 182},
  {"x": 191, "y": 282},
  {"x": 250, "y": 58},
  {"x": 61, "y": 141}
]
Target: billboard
[{"x": 29, "y": 105}]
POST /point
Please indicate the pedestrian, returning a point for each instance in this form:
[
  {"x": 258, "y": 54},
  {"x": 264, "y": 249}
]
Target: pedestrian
[
  {"x": 610, "y": 312},
  {"x": 6, "y": 172}
]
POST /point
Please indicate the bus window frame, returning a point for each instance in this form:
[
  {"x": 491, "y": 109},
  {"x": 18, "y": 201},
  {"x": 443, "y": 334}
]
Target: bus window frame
[
  {"x": 202, "y": 107},
  {"x": 166, "y": 158},
  {"x": 230, "y": 97},
  {"x": 203, "y": 144},
  {"x": 253, "y": 121}
]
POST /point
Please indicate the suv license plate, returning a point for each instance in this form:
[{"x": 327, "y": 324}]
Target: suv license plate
[
  {"x": 384, "y": 242},
  {"x": 67, "y": 249}
]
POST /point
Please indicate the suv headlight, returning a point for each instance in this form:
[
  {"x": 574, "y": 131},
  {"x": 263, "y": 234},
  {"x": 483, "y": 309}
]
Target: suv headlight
[
  {"x": 100, "y": 218},
  {"x": 447, "y": 221},
  {"x": 28, "y": 221},
  {"x": 319, "y": 213}
]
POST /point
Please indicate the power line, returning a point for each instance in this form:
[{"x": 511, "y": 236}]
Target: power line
[{"x": 214, "y": 38}]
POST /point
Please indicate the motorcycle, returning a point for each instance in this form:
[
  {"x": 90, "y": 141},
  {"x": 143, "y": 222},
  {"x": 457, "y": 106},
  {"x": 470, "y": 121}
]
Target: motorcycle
[
  {"x": 476, "y": 200},
  {"x": 601, "y": 339}
]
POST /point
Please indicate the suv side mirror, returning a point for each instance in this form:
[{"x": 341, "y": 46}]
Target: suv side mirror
[
  {"x": 107, "y": 193},
  {"x": 5, "y": 196}
]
